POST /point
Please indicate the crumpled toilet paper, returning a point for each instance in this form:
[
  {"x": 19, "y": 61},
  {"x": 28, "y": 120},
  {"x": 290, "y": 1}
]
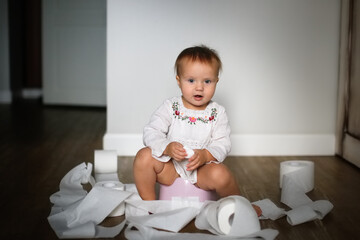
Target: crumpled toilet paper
[{"x": 77, "y": 213}]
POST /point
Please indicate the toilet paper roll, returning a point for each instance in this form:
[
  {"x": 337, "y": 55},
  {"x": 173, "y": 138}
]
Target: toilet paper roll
[
  {"x": 301, "y": 172},
  {"x": 120, "y": 209},
  {"x": 105, "y": 161},
  {"x": 105, "y": 165},
  {"x": 226, "y": 215},
  {"x": 236, "y": 211}
]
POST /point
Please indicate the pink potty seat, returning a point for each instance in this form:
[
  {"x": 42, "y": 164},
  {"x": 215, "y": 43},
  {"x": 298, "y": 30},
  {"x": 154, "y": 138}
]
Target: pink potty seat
[{"x": 183, "y": 188}]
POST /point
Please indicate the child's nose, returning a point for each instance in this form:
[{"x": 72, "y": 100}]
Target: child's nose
[{"x": 199, "y": 86}]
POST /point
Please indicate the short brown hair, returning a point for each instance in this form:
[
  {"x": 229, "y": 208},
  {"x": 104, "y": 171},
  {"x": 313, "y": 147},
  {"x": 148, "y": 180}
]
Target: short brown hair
[{"x": 198, "y": 53}]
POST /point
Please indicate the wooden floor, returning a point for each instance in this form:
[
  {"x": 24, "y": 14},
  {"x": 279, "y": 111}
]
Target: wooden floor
[{"x": 39, "y": 145}]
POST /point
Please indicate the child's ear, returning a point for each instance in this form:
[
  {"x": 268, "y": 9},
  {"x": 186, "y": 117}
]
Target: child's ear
[{"x": 178, "y": 80}]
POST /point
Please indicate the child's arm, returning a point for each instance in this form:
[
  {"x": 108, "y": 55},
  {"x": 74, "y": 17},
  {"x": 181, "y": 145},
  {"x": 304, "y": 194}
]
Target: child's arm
[
  {"x": 155, "y": 132},
  {"x": 220, "y": 144}
]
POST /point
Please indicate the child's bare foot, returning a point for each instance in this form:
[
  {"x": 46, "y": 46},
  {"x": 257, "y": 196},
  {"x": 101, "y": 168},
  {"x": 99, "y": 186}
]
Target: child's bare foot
[{"x": 257, "y": 210}]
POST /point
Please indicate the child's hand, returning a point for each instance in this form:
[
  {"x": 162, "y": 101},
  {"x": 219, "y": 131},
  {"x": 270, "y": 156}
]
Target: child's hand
[
  {"x": 176, "y": 151},
  {"x": 199, "y": 158}
]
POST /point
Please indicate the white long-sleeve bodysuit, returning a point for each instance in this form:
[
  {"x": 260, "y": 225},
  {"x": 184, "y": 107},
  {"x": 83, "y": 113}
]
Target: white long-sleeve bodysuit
[{"x": 197, "y": 129}]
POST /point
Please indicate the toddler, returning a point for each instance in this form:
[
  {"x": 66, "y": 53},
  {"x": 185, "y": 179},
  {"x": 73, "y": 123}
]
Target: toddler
[{"x": 192, "y": 121}]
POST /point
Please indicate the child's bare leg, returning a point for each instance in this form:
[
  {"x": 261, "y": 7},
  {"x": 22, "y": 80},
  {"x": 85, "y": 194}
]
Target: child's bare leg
[
  {"x": 148, "y": 170},
  {"x": 219, "y": 178}
]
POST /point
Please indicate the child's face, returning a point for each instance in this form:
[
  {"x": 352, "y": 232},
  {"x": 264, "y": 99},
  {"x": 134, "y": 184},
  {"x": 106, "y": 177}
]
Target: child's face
[{"x": 197, "y": 82}]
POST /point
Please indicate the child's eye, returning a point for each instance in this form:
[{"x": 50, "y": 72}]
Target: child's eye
[
  {"x": 207, "y": 81},
  {"x": 191, "y": 80}
]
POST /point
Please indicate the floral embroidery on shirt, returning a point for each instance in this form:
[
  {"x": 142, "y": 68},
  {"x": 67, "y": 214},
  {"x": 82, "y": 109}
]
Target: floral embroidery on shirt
[{"x": 192, "y": 120}]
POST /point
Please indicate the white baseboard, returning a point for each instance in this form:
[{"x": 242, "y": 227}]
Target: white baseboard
[
  {"x": 31, "y": 93},
  {"x": 5, "y": 96},
  {"x": 243, "y": 145},
  {"x": 283, "y": 145}
]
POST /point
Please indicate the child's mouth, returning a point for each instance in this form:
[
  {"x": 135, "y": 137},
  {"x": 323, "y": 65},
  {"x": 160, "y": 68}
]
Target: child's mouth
[{"x": 198, "y": 97}]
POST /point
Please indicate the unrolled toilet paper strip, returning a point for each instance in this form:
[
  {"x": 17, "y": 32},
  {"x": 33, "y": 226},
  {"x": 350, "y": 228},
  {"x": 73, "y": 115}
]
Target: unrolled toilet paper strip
[
  {"x": 296, "y": 179},
  {"x": 76, "y": 213},
  {"x": 105, "y": 165},
  {"x": 173, "y": 220},
  {"x": 138, "y": 207},
  {"x": 311, "y": 211},
  {"x": 80, "y": 218},
  {"x": 115, "y": 185},
  {"x": 206, "y": 219}
]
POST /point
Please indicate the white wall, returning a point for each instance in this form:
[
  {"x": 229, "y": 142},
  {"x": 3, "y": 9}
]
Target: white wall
[
  {"x": 280, "y": 62},
  {"x": 5, "y": 93},
  {"x": 74, "y": 50}
]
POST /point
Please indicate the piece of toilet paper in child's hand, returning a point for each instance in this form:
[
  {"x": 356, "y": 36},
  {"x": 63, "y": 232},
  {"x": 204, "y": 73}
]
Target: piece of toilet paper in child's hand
[{"x": 189, "y": 152}]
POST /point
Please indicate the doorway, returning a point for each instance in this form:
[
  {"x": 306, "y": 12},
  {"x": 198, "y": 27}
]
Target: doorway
[{"x": 25, "y": 48}]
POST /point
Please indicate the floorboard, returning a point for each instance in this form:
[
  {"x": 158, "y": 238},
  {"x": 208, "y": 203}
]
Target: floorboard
[{"x": 40, "y": 144}]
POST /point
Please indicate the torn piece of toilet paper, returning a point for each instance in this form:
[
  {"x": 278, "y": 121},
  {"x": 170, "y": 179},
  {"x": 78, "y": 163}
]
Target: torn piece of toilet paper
[{"x": 269, "y": 209}]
